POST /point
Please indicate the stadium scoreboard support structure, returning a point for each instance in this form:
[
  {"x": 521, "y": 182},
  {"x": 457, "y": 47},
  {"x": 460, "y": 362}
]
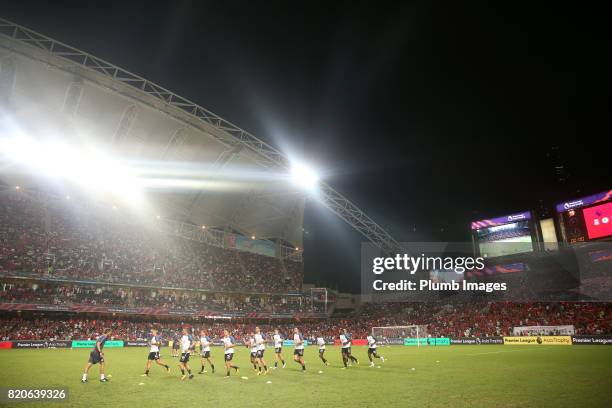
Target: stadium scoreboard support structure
[{"x": 19, "y": 39}]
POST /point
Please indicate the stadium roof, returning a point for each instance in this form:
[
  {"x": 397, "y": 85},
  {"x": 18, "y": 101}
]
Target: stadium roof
[{"x": 84, "y": 97}]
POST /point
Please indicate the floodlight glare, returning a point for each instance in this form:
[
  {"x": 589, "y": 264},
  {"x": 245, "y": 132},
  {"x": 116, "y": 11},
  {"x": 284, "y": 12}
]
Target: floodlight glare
[
  {"x": 304, "y": 176},
  {"x": 88, "y": 168}
]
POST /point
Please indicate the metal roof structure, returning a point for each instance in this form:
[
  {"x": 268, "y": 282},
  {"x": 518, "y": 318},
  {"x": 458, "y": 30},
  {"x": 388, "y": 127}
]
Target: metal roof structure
[{"x": 42, "y": 79}]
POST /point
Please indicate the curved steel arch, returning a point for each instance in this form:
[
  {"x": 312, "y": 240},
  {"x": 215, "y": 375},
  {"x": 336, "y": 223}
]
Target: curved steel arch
[{"x": 268, "y": 156}]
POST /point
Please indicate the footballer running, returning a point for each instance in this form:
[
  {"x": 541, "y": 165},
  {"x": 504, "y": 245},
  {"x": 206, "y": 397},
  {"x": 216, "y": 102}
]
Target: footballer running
[
  {"x": 228, "y": 344},
  {"x": 372, "y": 350},
  {"x": 154, "y": 343},
  {"x": 186, "y": 346},
  {"x": 321, "y": 344},
  {"x": 260, "y": 343},
  {"x": 205, "y": 343},
  {"x": 97, "y": 356},
  {"x": 250, "y": 343},
  {"x": 345, "y": 342},
  {"x": 175, "y": 345},
  {"x": 298, "y": 352},
  {"x": 278, "y": 349}
]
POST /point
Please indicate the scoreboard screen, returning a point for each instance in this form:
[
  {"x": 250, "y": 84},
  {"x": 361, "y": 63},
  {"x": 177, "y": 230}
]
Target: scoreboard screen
[
  {"x": 586, "y": 219},
  {"x": 507, "y": 235},
  {"x": 598, "y": 220},
  {"x": 505, "y": 239}
]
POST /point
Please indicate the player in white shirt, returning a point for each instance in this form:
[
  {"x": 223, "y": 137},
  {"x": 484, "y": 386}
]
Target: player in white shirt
[
  {"x": 345, "y": 343},
  {"x": 205, "y": 343},
  {"x": 228, "y": 344},
  {"x": 372, "y": 350},
  {"x": 321, "y": 344},
  {"x": 278, "y": 349},
  {"x": 187, "y": 345},
  {"x": 252, "y": 346},
  {"x": 260, "y": 342},
  {"x": 154, "y": 343},
  {"x": 298, "y": 352}
]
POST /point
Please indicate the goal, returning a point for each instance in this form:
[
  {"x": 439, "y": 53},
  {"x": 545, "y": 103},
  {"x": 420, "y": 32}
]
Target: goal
[{"x": 391, "y": 333}]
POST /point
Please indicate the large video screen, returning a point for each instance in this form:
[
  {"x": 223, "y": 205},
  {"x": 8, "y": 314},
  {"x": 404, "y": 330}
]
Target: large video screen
[
  {"x": 507, "y": 239},
  {"x": 598, "y": 220}
]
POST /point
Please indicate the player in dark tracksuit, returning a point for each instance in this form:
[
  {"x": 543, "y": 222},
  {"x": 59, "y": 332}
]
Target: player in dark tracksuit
[
  {"x": 176, "y": 344},
  {"x": 97, "y": 356}
]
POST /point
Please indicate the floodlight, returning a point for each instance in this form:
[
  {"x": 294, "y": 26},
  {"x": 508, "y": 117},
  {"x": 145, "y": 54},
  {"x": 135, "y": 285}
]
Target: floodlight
[{"x": 304, "y": 176}]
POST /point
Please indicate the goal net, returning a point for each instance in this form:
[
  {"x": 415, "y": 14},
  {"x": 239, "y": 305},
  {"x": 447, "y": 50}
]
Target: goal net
[{"x": 391, "y": 333}]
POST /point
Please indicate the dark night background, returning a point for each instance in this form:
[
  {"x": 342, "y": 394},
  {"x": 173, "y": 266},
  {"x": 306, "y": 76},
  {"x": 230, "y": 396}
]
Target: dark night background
[{"x": 427, "y": 115}]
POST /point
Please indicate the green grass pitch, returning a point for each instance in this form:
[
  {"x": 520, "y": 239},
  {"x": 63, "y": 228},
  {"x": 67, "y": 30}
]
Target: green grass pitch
[{"x": 456, "y": 376}]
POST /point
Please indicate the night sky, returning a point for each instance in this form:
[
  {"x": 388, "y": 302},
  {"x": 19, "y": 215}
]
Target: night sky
[{"x": 427, "y": 115}]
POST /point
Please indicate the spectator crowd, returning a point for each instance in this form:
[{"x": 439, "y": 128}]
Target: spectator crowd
[
  {"x": 60, "y": 293},
  {"x": 458, "y": 320},
  {"x": 61, "y": 253},
  {"x": 68, "y": 240},
  {"x": 485, "y": 319}
]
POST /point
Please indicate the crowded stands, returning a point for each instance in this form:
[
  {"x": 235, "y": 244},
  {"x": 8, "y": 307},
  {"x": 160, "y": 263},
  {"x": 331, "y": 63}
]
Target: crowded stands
[
  {"x": 60, "y": 253},
  {"x": 55, "y": 293},
  {"x": 484, "y": 319},
  {"x": 55, "y": 239},
  {"x": 459, "y": 320}
]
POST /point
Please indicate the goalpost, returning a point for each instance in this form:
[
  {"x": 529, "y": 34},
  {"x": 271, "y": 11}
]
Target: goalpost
[{"x": 391, "y": 334}]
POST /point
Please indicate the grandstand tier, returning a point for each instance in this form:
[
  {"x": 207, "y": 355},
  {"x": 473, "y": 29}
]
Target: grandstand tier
[
  {"x": 474, "y": 320},
  {"x": 60, "y": 239}
]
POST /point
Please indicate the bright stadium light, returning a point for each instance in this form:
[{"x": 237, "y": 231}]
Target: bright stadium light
[
  {"x": 90, "y": 169},
  {"x": 304, "y": 176}
]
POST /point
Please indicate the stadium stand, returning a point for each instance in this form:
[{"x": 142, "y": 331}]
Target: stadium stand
[
  {"x": 51, "y": 239},
  {"x": 56, "y": 254},
  {"x": 26, "y": 292},
  {"x": 468, "y": 320}
]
